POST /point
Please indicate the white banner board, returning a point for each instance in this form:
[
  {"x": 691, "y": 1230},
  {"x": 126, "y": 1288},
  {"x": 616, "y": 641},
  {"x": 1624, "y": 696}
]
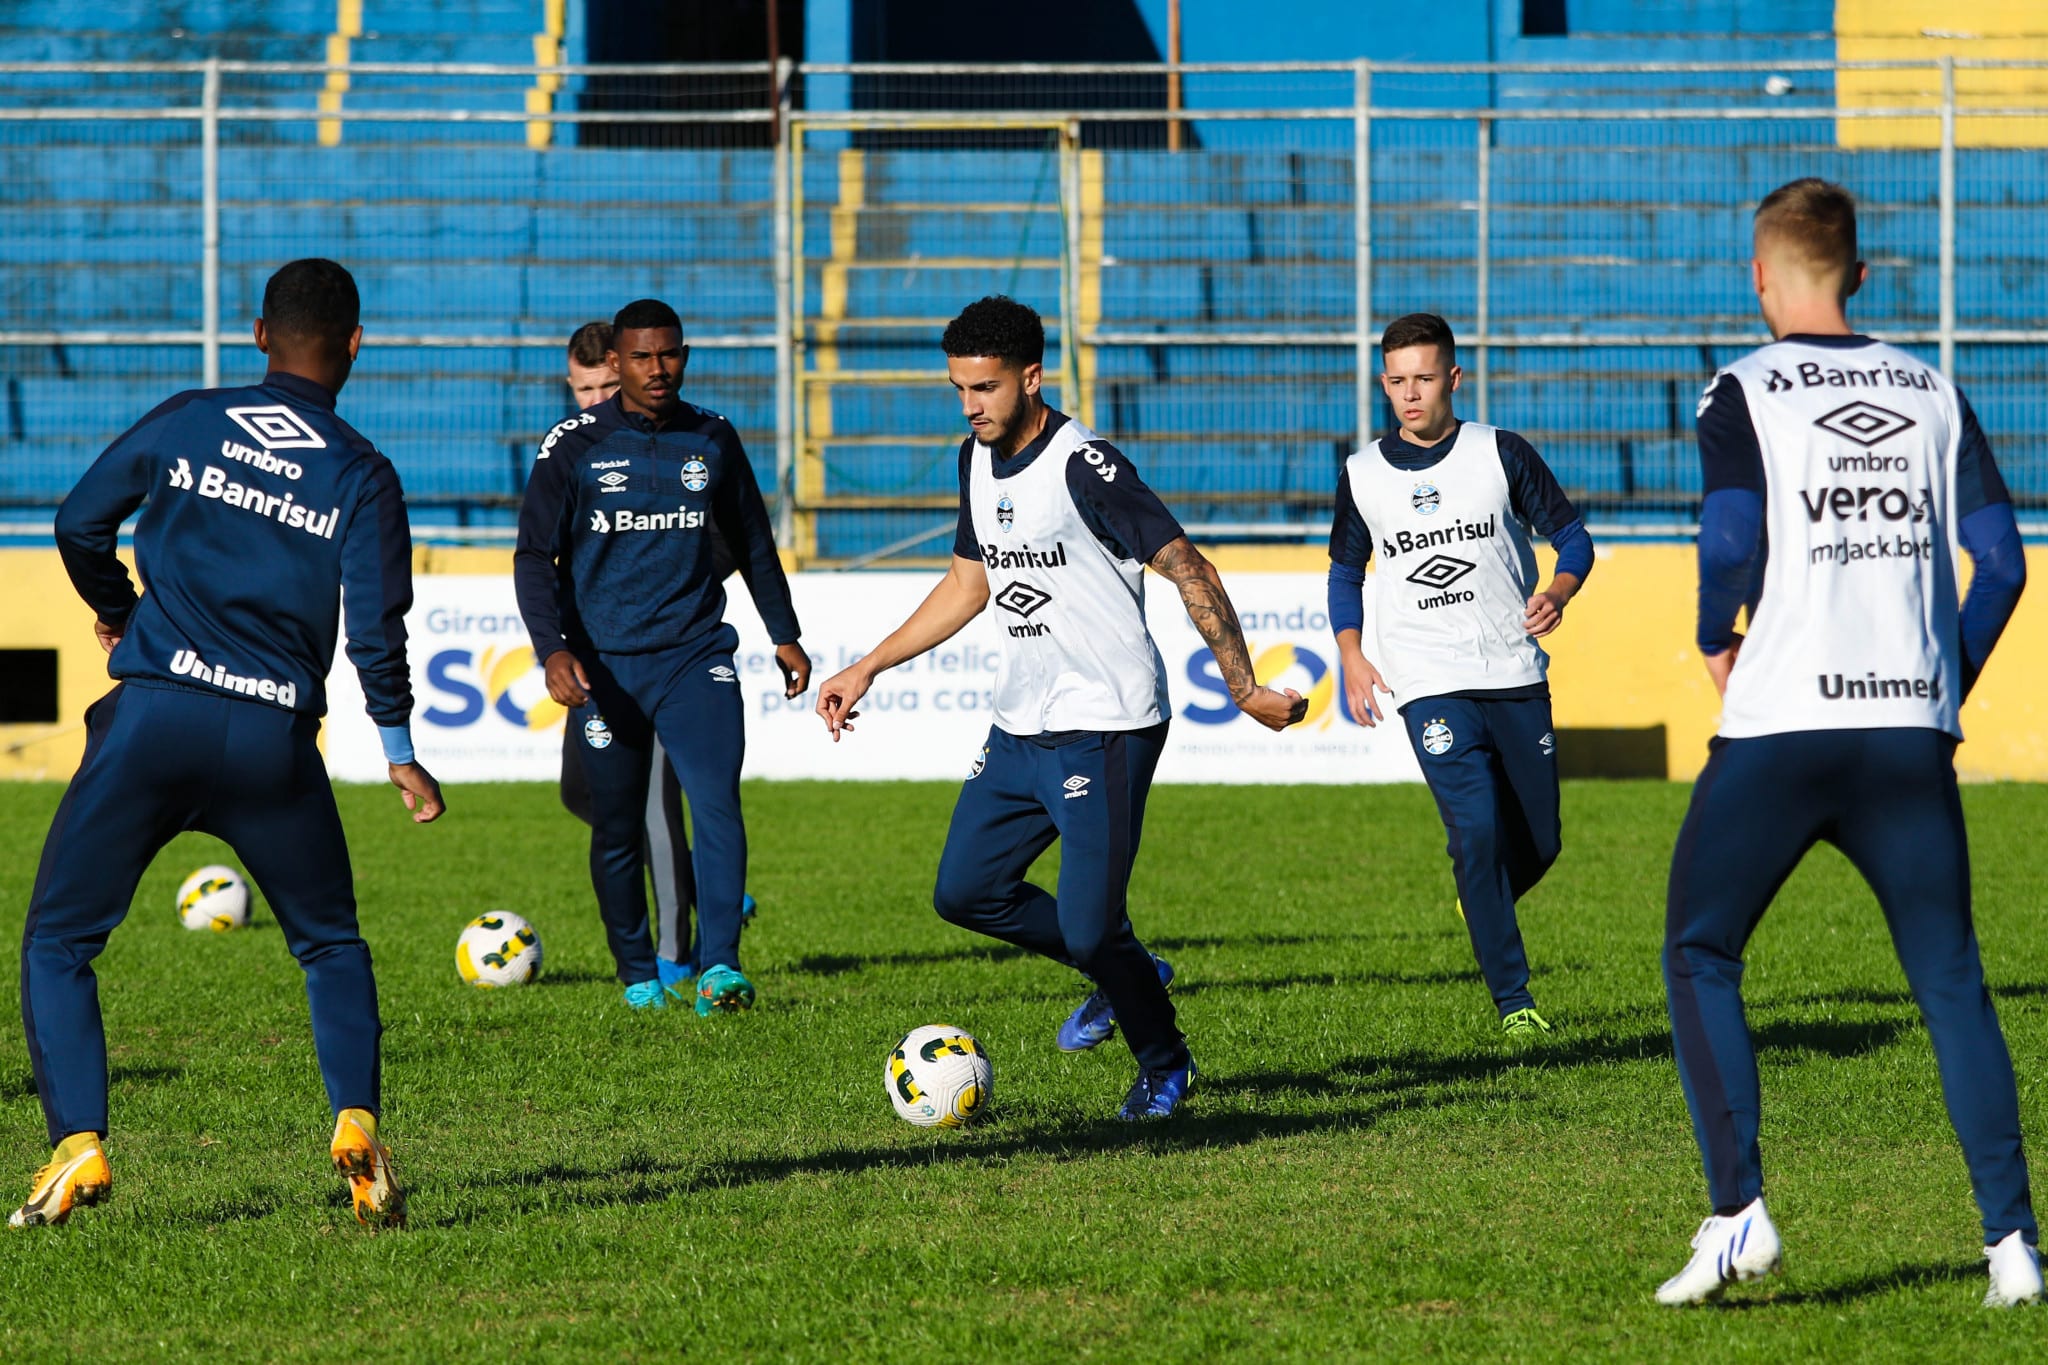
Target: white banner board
[{"x": 482, "y": 714}]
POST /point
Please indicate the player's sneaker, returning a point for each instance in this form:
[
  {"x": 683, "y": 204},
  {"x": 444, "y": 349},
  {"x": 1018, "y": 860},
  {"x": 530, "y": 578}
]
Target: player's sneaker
[
  {"x": 1156, "y": 1094},
  {"x": 723, "y": 988},
  {"x": 2015, "y": 1273},
  {"x": 647, "y": 995},
  {"x": 675, "y": 978},
  {"x": 1742, "y": 1247},
  {"x": 76, "y": 1176},
  {"x": 1525, "y": 1026},
  {"x": 366, "y": 1164},
  {"x": 1094, "y": 1023}
]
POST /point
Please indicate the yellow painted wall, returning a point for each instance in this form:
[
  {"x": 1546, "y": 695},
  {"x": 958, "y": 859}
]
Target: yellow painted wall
[
  {"x": 1623, "y": 658},
  {"x": 1924, "y": 31}
]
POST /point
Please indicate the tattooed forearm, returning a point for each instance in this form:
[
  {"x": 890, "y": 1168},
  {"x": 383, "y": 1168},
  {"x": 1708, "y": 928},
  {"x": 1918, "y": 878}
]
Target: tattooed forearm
[{"x": 1208, "y": 606}]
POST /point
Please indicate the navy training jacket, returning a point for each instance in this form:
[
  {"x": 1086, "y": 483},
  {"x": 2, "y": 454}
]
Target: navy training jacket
[{"x": 266, "y": 514}]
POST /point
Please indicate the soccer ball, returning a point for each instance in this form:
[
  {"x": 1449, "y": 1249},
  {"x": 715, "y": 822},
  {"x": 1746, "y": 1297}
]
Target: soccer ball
[
  {"x": 214, "y": 897},
  {"x": 498, "y": 948},
  {"x": 938, "y": 1077}
]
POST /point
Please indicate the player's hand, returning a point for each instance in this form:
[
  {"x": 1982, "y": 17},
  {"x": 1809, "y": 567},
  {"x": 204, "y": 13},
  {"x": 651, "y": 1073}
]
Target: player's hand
[
  {"x": 567, "y": 682},
  {"x": 1361, "y": 680},
  {"x": 1544, "y": 613},
  {"x": 796, "y": 668},
  {"x": 421, "y": 792},
  {"x": 838, "y": 696},
  {"x": 107, "y": 635},
  {"x": 1274, "y": 710},
  {"x": 1719, "y": 666}
]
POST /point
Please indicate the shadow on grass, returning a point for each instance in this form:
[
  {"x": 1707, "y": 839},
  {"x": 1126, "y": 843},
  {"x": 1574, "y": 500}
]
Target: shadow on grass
[
  {"x": 1869, "y": 995},
  {"x": 1275, "y": 983},
  {"x": 839, "y": 964},
  {"x": 574, "y": 976},
  {"x": 23, "y": 1087},
  {"x": 1863, "y": 1286}
]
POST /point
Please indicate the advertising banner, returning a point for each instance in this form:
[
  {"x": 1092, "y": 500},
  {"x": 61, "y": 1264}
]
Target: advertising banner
[{"x": 482, "y": 712}]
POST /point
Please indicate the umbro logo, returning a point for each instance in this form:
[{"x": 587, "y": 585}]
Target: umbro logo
[
  {"x": 1022, "y": 598},
  {"x": 1866, "y": 424},
  {"x": 1076, "y": 787},
  {"x": 277, "y": 427},
  {"x": 614, "y": 482},
  {"x": 1440, "y": 571},
  {"x": 720, "y": 673}
]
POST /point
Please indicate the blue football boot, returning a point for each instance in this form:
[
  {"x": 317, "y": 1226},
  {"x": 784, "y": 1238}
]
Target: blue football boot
[
  {"x": 1094, "y": 1023},
  {"x": 646, "y": 995},
  {"x": 676, "y": 978},
  {"x": 1156, "y": 1094}
]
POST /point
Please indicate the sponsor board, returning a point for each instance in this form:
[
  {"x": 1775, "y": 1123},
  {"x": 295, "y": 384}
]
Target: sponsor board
[{"x": 482, "y": 712}]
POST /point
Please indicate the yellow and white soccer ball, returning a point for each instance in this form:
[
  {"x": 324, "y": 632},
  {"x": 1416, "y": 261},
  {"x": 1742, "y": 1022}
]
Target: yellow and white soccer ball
[
  {"x": 498, "y": 948},
  {"x": 939, "y": 1077},
  {"x": 215, "y": 897}
]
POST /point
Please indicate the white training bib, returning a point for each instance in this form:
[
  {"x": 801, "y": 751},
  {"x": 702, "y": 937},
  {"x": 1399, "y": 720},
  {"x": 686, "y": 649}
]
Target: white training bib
[
  {"x": 1858, "y": 624},
  {"x": 1452, "y": 571},
  {"x": 1077, "y": 654}
]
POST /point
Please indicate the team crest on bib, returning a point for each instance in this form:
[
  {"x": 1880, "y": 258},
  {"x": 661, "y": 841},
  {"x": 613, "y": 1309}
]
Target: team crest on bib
[
  {"x": 1006, "y": 511},
  {"x": 1436, "y": 737},
  {"x": 1426, "y": 499},
  {"x": 980, "y": 762},
  {"x": 696, "y": 476},
  {"x": 596, "y": 733}
]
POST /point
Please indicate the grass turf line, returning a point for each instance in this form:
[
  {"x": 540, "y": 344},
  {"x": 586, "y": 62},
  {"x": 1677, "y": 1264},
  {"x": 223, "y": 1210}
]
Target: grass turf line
[{"x": 1363, "y": 1170}]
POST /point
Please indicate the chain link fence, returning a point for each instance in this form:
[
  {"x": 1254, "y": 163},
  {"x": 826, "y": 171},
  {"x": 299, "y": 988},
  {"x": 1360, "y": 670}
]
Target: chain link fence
[{"x": 1214, "y": 248}]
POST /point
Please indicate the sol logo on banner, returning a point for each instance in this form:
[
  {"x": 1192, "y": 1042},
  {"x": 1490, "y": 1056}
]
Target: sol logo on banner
[
  {"x": 475, "y": 684},
  {"x": 1282, "y": 665}
]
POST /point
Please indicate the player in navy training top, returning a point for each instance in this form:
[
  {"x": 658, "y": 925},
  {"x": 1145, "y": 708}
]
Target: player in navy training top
[
  {"x": 1451, "y": 507},
  {"x": 1056, "y": 530},
  {"x": 266, "y": 516},
  {"x": 1843, "y": 477},
  {"x": 666, "y": 847},
  {"x": 620, "y": 587}
]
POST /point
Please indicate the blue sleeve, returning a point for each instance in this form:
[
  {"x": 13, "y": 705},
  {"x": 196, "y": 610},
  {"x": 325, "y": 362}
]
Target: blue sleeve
[
  {"x": 1533, "y": 491},
  {"x": 1350, "y": 537},
  {"x": 742, "y": 517},
  {"x": 376, "y": 593},
  {"x": 1123, "y": 513},
  {"x": 1732, "y": 549},
  {"x": 1346, "y": 598},
  {"x": 543, "y": 540},
  {"x": 965, "y": 544},
  {"x": 1574, "y": 546},
  {"x": 1991, "y": 536},
  {"x": 89, "y": 520}
]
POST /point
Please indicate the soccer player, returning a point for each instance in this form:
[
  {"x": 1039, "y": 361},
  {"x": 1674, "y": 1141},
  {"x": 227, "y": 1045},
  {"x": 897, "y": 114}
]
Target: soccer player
[
  {"x": 1862, "y": 470},
  {"x": 1450, "y": 507},
  {"x": 1055, "y": 531},
  {"x": 262, "y": 506},
  {"x": 666, "y": 847},
  {"x": 620, "y": 589}
]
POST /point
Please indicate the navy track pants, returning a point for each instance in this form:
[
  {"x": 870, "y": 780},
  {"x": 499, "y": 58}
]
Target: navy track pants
[
  {"x": 1887, "y": 799},
  {"x": 158, "y": 761},
  {"x": 1490, "y": 763},
  {"x": 1089, "y": 793},
  {"x": 691, "y": 699},
  {"x": 667, "y": 845}
]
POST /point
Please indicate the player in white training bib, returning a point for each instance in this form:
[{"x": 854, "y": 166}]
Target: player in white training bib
[
  {"x": 1840, "y": 477},
  {"x": 1448, "y": 507},
  {"x": 1056, "y": 530}
]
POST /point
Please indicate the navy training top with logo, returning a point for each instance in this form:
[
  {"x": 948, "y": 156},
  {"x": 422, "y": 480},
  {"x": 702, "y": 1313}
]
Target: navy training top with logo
[
  {"x": 267, "y": 516},
  {"x": 615, "y": 549}
]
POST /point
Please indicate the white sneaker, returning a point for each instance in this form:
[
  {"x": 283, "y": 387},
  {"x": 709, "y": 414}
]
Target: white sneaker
[
  {"x": 1744, "y": 1247},
  {"x": 2015, "y": 1273}
]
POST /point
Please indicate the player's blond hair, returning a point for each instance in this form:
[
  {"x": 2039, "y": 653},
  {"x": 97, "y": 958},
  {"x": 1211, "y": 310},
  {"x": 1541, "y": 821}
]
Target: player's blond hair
[{"x": 1815, "y": 222}]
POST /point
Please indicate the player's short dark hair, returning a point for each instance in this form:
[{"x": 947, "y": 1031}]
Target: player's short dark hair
[
  {"x": 312, "y": 300},
  {"x": 1816, "y": 219},
  {"x": 1419, "y": 329},
  {"x": 998, "y": 326},
  {"x": 645, "y": 313},
  {"x": 588, "y": 344}
]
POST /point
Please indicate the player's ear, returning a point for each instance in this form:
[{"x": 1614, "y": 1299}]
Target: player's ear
[
  {"x": 1756, "y": 274},
  {"x": 262, "y": 337},
  {"x": 1855, "y": 280},
  {"x": 683, "y": 364},
  {"x": 355, "y": 343},
  {"x": 1455, "y": 373},
  {"x": 1034, "y": 378},
  {"x": 611, "y": 358}
]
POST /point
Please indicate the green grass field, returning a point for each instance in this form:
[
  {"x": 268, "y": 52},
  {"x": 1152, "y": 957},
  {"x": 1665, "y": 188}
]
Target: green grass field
[{"x": 1364, "y": 1171}]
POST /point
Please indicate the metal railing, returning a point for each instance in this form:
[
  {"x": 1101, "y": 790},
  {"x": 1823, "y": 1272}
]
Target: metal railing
[{"x": 233, "y": 95}]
